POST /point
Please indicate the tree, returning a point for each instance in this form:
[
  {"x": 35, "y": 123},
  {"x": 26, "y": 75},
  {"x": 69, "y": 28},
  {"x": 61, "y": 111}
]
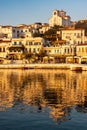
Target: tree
[
  {"x": 29, "y": 57},
  {"x": 51, "y": 33},
  {"x": 36, "y": 34},
  {"x": 40, "y": 55},
  {"x": 82, "y": 25}
]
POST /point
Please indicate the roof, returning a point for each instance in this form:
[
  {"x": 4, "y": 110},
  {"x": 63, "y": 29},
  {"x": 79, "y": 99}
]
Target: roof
[
  {"x": 84, "y": 44},
  {"x": 6, "y": 41}
]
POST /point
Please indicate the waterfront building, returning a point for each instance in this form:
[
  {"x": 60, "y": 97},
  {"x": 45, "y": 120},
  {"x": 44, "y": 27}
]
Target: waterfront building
[
  {"x": 16, "y": 49},
  {"x": 19, "y": 41},
  {"x": 20, "y": 46},
  {"x": 4, "y": 44},
  {"x": 59, "y": 18},
  {"x": 85, "y": 39},
  {"x": 81, "y": 52},
  {"x": 60, "y": 52},
  {"x": 34, "y": 44}
]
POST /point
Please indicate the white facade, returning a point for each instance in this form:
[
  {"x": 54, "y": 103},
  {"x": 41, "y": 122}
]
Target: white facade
[
  {"x": 73, "y": 36},
  {"x": 44, "y": 28},
  {"x": 8, "y": 32},
  {"x": 14, "y": 32},
  {"x": 59, "y": 18}
]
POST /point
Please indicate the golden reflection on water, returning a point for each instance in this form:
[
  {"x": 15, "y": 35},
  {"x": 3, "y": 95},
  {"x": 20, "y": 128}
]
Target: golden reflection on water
[{"x": 56, "y": 89}]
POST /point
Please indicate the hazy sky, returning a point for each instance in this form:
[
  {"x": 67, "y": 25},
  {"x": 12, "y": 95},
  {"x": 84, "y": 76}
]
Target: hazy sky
[{"x": 14, "y": 12}]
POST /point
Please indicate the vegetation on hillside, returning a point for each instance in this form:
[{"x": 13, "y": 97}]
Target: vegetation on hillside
[
  {"x": 51, "y": 33},
  {"x": 83, "y": 25}
]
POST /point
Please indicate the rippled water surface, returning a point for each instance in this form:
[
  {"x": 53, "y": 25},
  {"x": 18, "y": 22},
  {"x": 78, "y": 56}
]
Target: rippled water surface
[{"x": 43, "y": 100}]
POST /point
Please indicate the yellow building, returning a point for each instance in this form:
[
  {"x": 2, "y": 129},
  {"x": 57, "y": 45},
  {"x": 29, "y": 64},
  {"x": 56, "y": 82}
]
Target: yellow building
[
  {"x": 20, "y": 46},
  {"x": 4, "y": 44},
  {"x": 34, "y": 45},
  {"x": 60, "y": 52},
  {"x": 81, "y": 51}
]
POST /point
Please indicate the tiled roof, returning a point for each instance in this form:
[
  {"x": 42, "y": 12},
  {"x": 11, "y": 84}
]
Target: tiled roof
[{"x": 84, "y": 44}]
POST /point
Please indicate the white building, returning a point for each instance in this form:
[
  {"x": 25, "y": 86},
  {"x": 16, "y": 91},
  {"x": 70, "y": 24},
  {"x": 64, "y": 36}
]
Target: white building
[
  {"x": 44, "y": 28},
  {"x": 8, "y": 32},
  {"x": 73, "y": 36},
  {"x": 59, "y": 18}
]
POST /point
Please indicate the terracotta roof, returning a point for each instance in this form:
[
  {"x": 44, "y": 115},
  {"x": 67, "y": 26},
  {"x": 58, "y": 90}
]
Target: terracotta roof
[
  {"x": 8, "y": 26},
  {"x": 84, "y": 44},
  {"x": 2, "y": 41}
]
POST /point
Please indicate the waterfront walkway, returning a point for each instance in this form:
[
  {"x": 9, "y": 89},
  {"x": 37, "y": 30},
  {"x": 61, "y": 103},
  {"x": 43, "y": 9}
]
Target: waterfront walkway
[{"x": 73, "y": 67}]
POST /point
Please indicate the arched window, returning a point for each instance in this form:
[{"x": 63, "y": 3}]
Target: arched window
[{"x": 54, "y": 13}]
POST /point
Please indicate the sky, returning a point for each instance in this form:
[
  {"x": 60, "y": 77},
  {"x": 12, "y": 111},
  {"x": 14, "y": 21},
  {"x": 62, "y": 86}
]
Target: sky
[{"x": 14, "y": 12}]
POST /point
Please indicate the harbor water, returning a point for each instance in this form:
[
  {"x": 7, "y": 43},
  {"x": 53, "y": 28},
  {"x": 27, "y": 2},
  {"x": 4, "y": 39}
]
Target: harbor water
[{"x": 43, "y": 99}]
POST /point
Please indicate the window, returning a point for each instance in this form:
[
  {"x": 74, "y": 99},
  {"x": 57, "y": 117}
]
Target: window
[
  {"x": 26, "y": 49},
  {"x": 57, "y": 51},
  {"x": 13, "y": 31},
  {"x": 30, "y": 43},
  {"x": 15, "y": 43},
  {"x": 78, "y": 35},
  {"x": 54, "y": 13},
  {"x": 0, "y": 49},
  {"x": 29, "y": 49},
  {"x": 3, "y": 49},
  {"x": 68, "y": 50},
  {"x": 79, "y": 49},
  {"x": 38, "y": 49},
  {"x": 36, "y": 43},
  {"x": 19, "y": 50},
  {"x": 26, "y": 43},
  {"x": 65, "y": 50},
  {"x": 17, "y": 31},
  {"x": 20, "y": 43},
  {"x": 82, "y": 49},
  {"x": 17, "y": 35},
  {"x": 81, "y": 34},
  {"x": 71, "y": 50},
  {"x": 49, "y": 51},
  {"x": 74, "y": 34},
  {"x": 34, "y": 50}
]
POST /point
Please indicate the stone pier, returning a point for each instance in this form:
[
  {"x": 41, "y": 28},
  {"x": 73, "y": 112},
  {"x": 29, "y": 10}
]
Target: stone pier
[{"x": 72, "y": 67}]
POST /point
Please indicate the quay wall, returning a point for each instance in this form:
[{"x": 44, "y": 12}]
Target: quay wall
[{"x": 72, "y": 67}]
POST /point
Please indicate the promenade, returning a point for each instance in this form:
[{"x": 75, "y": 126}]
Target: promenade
[{"x": 72, "y": 67}]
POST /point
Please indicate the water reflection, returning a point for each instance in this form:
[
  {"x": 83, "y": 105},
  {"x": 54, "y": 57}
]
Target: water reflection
[{"x": 57, "y": 90}]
